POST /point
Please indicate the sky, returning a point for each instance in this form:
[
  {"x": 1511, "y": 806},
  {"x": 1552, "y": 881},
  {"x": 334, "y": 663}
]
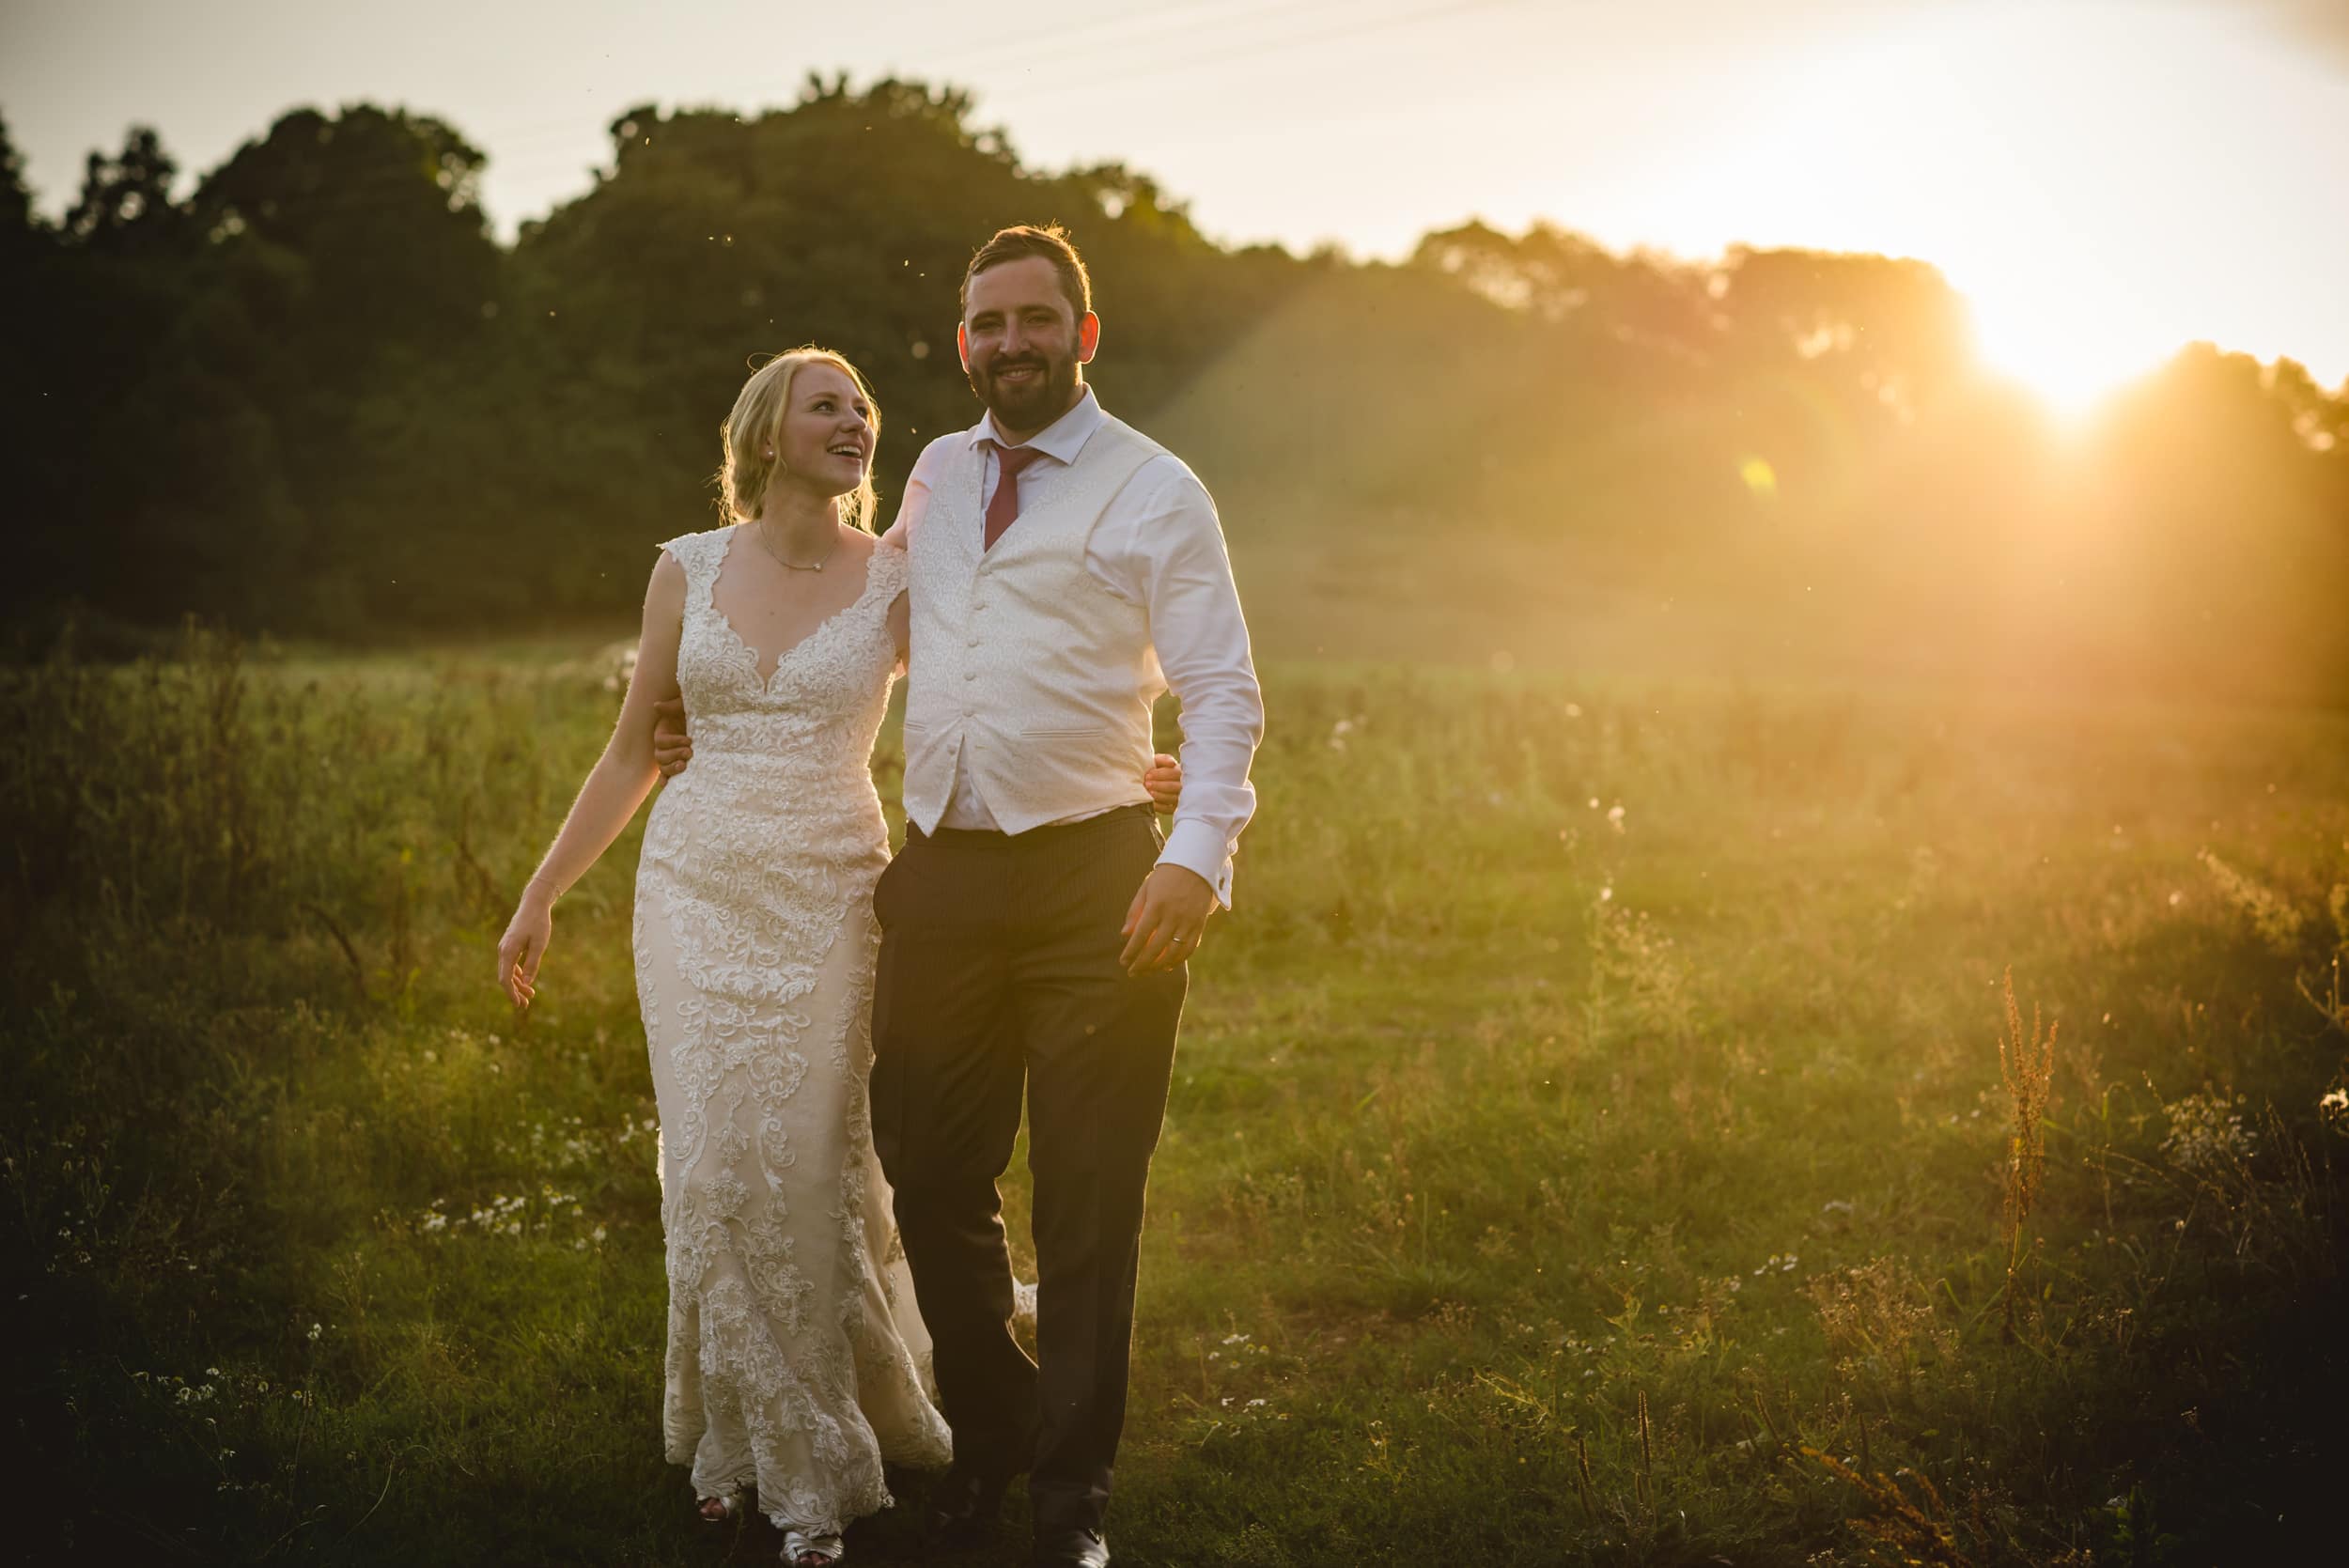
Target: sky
[{"x": 2105, "y": 179}]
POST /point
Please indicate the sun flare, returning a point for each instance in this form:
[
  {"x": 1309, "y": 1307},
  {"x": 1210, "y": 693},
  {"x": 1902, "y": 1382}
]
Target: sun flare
[
  {"x": 2072, "y": 350},
  {"x": 2105, "y": 183}
]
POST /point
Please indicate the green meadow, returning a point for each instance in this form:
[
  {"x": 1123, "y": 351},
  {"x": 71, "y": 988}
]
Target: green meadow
[{"x": 1600, "y": 1134}]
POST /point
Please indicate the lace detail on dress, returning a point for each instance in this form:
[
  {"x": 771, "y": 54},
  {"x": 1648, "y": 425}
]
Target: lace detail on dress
[{"x": 796, "y": 1361}]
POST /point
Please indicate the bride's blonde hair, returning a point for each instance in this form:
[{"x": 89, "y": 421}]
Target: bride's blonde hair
[{"x": 755, "y": 425}]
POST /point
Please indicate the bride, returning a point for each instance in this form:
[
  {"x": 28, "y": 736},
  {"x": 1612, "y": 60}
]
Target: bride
[{"x": 797, "y": 1363}]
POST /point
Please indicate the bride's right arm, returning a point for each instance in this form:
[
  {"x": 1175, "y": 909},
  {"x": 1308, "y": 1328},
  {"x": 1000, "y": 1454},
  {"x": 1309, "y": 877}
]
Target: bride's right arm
[{"x": 616, "y": 787}]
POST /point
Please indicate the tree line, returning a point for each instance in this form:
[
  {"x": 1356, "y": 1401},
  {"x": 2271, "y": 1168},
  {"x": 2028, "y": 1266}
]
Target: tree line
[{"x": 313, "y": 394}]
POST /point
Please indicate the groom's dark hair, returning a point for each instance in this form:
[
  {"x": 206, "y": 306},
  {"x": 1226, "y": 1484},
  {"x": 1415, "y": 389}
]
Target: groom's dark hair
[{"x": 1052, "y": 243}]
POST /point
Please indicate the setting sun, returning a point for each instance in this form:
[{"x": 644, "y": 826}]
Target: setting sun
[
  {"x": 2103, "y": 184},
  {"x": 2071, "y": 358}
]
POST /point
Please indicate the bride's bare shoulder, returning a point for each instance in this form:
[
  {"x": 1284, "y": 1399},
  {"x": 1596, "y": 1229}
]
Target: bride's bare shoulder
[{"x": 878, "y": 555}]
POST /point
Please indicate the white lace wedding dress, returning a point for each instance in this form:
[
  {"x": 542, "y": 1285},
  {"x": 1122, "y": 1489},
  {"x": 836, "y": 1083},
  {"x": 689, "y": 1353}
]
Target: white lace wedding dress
[{"x": 797, "y": 1361}]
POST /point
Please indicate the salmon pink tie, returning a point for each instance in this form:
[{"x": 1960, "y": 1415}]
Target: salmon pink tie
[{"x": 1004, "y": 504}]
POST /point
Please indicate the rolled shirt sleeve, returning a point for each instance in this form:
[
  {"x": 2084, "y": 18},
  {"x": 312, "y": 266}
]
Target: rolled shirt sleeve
[{"x": 1166, "y": 552}]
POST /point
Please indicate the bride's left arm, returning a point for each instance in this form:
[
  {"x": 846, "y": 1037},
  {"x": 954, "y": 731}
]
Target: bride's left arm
[
  {"x": 1163, "y": 779},
  {"x": 899, "y": 538}
]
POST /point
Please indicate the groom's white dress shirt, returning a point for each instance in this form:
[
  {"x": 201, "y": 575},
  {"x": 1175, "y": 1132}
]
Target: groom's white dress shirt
[{"x": 1158, "y": 547}]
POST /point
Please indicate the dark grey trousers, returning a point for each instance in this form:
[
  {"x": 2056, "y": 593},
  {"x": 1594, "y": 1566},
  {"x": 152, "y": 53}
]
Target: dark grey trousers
[{"x": 998, "y": 979}]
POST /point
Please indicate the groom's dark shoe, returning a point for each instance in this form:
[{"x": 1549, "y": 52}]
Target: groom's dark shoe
[
  {"x": 966, "y": 1508},
  {"x": 1072, "y": 1549}
]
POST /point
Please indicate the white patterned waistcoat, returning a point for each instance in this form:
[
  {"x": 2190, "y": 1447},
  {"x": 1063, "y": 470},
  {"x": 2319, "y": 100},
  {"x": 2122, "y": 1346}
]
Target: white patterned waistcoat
[{"x": 1025, "y": 667}]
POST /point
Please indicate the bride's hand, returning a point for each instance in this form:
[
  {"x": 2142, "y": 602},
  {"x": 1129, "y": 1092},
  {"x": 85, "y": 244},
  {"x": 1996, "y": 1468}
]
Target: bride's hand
[
  {"x": 1163, "y": 779},
  {"x": 523, "y": 945}
]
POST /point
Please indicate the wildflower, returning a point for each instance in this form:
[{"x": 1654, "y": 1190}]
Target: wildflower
[
  {"x": 315, "y": 1331},
  {"x": 2277, "y": 922},
  {"x": 1615, "y": 817},
  {"x": 2205, "y": 1131}
]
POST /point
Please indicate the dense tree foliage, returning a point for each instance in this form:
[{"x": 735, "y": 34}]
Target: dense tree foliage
[{"x": 314, "y": 396}]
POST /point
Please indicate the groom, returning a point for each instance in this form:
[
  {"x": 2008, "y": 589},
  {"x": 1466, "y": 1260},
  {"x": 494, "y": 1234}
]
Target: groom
[{"x": 1066, "y": 569}]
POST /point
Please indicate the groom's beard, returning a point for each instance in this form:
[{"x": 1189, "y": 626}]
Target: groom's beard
[{"x": 1031, "y": 406}]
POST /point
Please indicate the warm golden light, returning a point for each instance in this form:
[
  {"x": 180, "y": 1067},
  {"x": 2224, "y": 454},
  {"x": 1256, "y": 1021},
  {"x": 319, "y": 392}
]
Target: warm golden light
[
  {"x": 2105, "y": 183},
  {"x": 2071, "y": 358}
]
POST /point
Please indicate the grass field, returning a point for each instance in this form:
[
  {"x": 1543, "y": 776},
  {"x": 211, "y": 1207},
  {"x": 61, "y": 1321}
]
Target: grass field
[{"x": 1590, "y": 1140}]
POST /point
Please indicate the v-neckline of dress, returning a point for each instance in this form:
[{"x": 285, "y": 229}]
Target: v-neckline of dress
[{"x": 766, "y": 683}]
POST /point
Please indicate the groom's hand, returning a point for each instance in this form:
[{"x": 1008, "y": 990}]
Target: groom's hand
[
  {"x": 672, "y": 747},
  {"x": 1167, "y": 920}
]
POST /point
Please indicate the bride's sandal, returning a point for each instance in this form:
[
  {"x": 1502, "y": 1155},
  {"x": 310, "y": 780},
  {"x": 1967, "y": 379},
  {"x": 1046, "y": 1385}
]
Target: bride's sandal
[
  {"x": 802, "y": 1550},
  {"x": 722, "y": 1509}
]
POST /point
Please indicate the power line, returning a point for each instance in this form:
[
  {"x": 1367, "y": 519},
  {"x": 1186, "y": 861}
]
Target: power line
[
  {"x": 1258, "y": 49},
  {"x": 1072, "y": 45},
  {"x": 1172, "y": 20},
  {"x": 1105, "y": 42}
]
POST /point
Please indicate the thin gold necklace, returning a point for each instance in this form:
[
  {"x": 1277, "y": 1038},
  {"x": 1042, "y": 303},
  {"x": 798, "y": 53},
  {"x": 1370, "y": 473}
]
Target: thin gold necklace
[{"x": 768, "y": 545}]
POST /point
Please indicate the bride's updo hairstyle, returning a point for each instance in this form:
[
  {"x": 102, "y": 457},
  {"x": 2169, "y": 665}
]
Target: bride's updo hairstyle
[{"x": 754, "y": 428}]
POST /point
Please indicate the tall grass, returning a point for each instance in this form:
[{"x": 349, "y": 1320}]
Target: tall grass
[
  {"x": 2027, "y": 1068},
  {"x": 1585, "y": 1116}
]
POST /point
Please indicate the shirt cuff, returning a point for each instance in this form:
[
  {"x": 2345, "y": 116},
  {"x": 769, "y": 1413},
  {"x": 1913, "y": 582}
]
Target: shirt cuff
[{"x": 1197, "y": 848}]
